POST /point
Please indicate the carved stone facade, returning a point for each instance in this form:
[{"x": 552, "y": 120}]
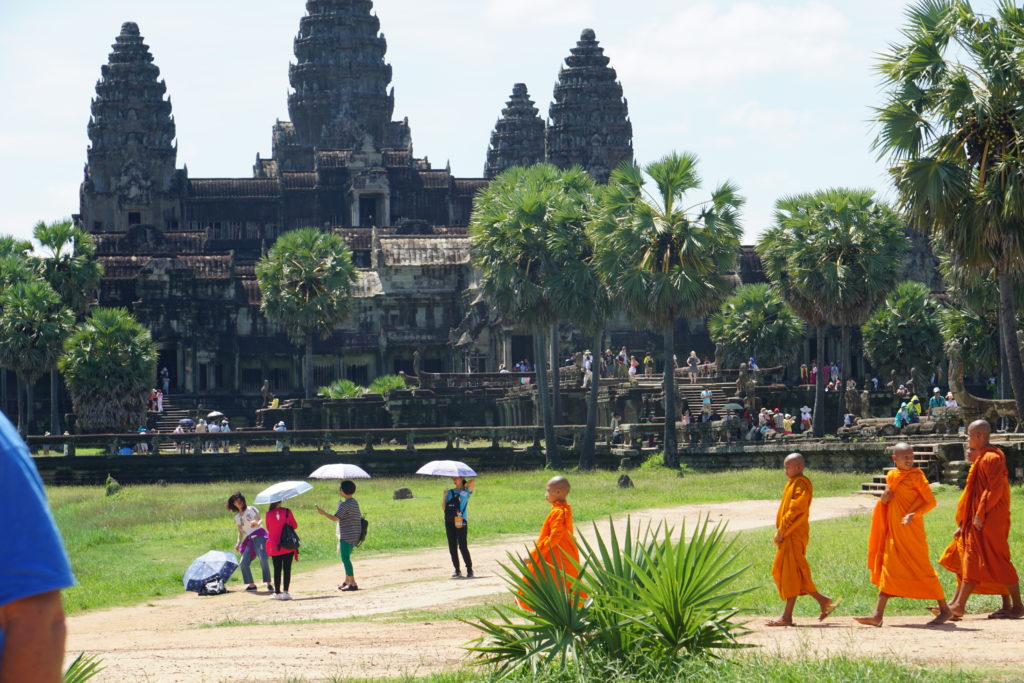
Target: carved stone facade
[
  {"x": 589, "y": 118},
  {"x": 518, "y": 137}
]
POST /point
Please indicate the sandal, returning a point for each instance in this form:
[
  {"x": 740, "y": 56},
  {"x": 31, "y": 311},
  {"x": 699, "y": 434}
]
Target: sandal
[
  {"x": 830, "y": 608},
  {"x": 349, "y": 587},
  {"x": 936, "y": 612},
  {"x": 778, "y": 622}
]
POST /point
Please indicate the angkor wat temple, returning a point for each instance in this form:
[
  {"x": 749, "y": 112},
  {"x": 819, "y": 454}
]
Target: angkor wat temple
[{"x": 180, "y": 251}]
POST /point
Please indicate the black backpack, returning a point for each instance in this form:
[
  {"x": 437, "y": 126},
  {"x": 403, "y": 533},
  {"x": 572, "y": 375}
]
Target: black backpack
[
  {"x": 289, "y": 539},
  {"x": 213, "y": 586}
]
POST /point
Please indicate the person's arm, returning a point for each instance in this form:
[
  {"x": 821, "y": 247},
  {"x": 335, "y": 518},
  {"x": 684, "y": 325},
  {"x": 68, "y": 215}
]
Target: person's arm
[
  {"x": 326, "y": 514},
  {"x": 471, "y": 485},
  {"x": 924, "y": 502},
  {"x": 34, "y": 634},
  {"x": 444, "y": 499}
]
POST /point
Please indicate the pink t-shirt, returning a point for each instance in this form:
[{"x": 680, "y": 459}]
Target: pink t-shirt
[{"x": 275, "y": 519}]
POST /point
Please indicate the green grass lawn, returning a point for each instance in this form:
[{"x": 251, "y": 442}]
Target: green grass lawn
[{"x": 135, "y": 545}]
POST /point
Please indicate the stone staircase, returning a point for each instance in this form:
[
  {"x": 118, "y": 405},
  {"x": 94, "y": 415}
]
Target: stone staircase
[
  {"x": 168, "y": 420},
  {"x": 721, "y": 391},
  {"x": 926, "y": 457}
]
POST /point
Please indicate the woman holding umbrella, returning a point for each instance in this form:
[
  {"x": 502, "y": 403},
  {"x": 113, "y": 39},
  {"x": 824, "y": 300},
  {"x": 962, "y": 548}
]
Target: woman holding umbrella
[
  {"x": 350, "y": 528},
  {"x": 456, "y": 527},
  {"x": 277, "y": 518}
]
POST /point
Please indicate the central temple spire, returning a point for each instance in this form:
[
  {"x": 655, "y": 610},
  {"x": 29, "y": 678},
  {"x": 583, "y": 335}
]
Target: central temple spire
[{"x": 340, "y": 97}]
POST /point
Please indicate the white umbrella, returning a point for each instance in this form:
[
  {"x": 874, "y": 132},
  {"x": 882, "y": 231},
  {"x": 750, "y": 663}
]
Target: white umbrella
[
  {"x": 282, "y": 491},
  {"x": 339, "y": 471},
  {"x": 446, "y": 468},
  {"x": 215, "y": 413}
]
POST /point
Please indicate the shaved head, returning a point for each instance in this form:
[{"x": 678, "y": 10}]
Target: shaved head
[
  {"x": 559, "y": 483},
  {"x": 794, "y": 465},
  {"x": 901, "y": 447},
  {"x": 793, "y": 457},
  {"x": 982, "y": 427}
]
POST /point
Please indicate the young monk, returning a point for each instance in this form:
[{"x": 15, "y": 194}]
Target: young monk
[
  {"x": 952, "y": 559},
  {"x": 556, "y": 544},
  {"x": 897, "y": 548},
  {"x": 791, "y": 572},
  {"x": 985, "y": 527}
]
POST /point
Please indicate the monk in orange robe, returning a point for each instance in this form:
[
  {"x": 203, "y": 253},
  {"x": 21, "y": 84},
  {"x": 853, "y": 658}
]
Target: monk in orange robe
[
  {"x": 791, "y": 572},
  {"x": 952, "y": 558},
  {"x": 897, "y": 547},
  {"x": 556, "y": 545},
  {"x": 985, "y": 527}
]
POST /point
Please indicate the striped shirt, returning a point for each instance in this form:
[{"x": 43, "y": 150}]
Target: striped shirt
[{"x": 350, "y": 526}]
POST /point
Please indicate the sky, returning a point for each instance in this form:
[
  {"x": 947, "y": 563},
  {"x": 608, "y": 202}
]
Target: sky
[{"x": 775, "y": 95}]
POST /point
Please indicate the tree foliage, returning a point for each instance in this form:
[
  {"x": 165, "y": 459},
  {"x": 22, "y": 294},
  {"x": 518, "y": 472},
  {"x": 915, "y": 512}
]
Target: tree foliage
[
  {"x": 109, "y": 364},
  {"x": 903, "y": 334},
  {"x": 755, "y": 321},
  {"x": 341, "y": 388},
  {"x": 67, "y": 263}
]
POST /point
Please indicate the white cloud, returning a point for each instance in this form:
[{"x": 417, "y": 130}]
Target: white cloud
[
  {"x": 539, "y": 12},
  {"x": 757, "y": 118},
  {"x": 711, "y": 43}
]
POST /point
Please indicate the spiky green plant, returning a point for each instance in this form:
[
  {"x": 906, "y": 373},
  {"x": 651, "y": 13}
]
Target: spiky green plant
[
  {"x": 385, "y": 383},
  {"x": 341, "y": 388},
  {"x": 83, "y": 668}
]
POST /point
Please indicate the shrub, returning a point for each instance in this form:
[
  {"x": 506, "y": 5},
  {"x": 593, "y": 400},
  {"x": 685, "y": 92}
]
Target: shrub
[
  {"x": 652, "y": 597},
  {"x": 341, "y": 388},
  {"x": 385, "y": 383}
]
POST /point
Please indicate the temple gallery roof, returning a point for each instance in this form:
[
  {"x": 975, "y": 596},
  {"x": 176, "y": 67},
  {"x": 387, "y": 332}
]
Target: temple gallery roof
[
  {"x": 235, "y": 187},
  {"x": 424, "y": 251}
]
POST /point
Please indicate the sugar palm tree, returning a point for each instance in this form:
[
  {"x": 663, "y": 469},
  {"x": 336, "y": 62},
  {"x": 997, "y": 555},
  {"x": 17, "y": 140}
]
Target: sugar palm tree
[
  {"x": 662, "y": 258},
  {"x": 833, "y": 255},
  {"x": 14, "y": 267},
  {"x": 755, "y": 322},
  {"x": 108, "y": 364},
  {"x": 952, "y": 126},
  {"x": 904, "y": 332},
  {"x": 515, "y": 222},
  {"x": 306, "y": 282},
  {"x": 68, "y": 266},
  {"x": 33, "y": 325}
]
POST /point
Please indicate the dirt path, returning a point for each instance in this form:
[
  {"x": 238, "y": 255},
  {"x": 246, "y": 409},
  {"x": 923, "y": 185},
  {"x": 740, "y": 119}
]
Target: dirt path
[{"x": 262, "y": 640}]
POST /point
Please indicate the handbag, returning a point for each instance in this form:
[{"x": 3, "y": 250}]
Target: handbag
[
  {"x": 289, "y": 539},
  {"x": 363, "y": 526}
]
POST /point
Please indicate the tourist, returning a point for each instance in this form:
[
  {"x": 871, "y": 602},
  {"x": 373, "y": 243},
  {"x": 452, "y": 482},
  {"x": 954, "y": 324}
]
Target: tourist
[
  {"x": 985, "y": 526},
  {"x": 633, "y": 365},
  {"x": 692, "y": 366},
  {"x": 213, "y": 428},
  {"x": 141, "y": 446},
  {"x": 790, "y": 570},
  {"x": 812, "y": 374},
  {"x": 804, "y": 377},
  {"x": 914, "y": 409},
  {"x": 277, "y": 518},
  {"x": 616, "y": 427},
  {"x": 502, "y": 369},
  {"x": 952, "y": 558},
  {"x": 834, "y": 371},
  {"x": 224, "y": 429},
  {"x": 279, "y": 427},
  {"x": 779, "y": 421},
  {"x": 180, "y": 445},
  {"x": 950, "y": 401},
  {"x": 898, "y": 555},
  {"x": 902, "y": 418},
  {"x": 152, "y": 400},
  {"x": 705, "y": 396},
  {"x": 349, "y": 530},
  {"x": 34, "y": 571},
  {"x": 936, "y": 401},
  {"x": 252, "y": 540},
  {"x": 165, "y": 380},
  {"x": 456, "y": 525},
  {"x": 159, "y": 401},
  {"x": 752, "y": 364},
  {"x": 707, "y": 369},
  {"x": 556, "y": 545},
  {"x": 787, "y": 424},
  {"x": 805, "y": 418},
  {"x": 648, "y": 365},
  {"x": 874, "y": 384}
]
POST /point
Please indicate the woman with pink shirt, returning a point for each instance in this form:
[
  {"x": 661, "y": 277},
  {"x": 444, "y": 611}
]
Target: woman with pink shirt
[{"x": 276, "y": 519}]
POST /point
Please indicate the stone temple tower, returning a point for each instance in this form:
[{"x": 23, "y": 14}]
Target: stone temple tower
[
  {"x": 589, "y": 118},
  {"x": 518, "y": 136},
  {"x": 340, "y": 97},
  {"x": 130, "y": 177}
]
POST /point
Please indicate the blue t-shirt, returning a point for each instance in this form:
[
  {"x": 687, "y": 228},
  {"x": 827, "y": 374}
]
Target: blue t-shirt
[
  {"x": 35, "y": 561},
  {"x": 463, "y": 495}
]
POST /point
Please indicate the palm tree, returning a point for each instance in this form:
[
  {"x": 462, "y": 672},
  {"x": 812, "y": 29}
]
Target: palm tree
[
  {"x": 904, "y": 332},
  {"x": 33, "y": 325},
  {"x": 663, "y": 259},
  {"x": 108, "y": 364},
  {"x": 953, "y": 127},
  {"x": 755, "y": 322},
  {"x": 515, "y": 222},
  {"x": 14, "y": 267},
  {"x": 833, "y": 255},
  {"x": 72, "y": 272},
  {"x": 306, "y": 282}
]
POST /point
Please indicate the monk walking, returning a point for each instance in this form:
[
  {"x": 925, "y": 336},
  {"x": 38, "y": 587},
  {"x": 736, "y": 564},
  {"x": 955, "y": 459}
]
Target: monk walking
[
  {"x": 791, "y": 572},
  {"x": 556, "y": 545},
  {"x": 952, "y": 559},
  {"x": 985, "y": 527},
  {"x": 897, "y": 547}
]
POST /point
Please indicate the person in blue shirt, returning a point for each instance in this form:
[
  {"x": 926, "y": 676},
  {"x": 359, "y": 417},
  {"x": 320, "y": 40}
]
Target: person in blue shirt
[
  {"x": 456, "y": 526},
  {"x": 34, "y": 570}
]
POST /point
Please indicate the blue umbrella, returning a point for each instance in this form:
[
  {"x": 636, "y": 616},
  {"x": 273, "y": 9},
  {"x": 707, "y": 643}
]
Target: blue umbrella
[
  {"x": 213, "y": 564},
  {"x": 186, "y": 421}
]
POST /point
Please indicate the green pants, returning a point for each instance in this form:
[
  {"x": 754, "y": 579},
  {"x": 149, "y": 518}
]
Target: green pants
[{"x": 346, "y": 556}]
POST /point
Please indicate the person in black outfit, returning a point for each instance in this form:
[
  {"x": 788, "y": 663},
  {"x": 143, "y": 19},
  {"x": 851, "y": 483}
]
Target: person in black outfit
[{"x": 456, "y": 526}]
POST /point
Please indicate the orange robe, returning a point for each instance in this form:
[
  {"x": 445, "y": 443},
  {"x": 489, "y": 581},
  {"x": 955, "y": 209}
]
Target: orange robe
[
  {"x": 556, "y": 544},
  {"x": 791, "y": 572},
  {"x": 898, "y": 553},
  {"x": 952, "y": 558},
  {"x": 986, "y": 555}
]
